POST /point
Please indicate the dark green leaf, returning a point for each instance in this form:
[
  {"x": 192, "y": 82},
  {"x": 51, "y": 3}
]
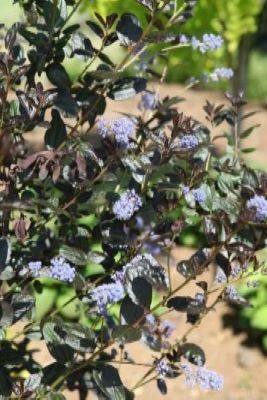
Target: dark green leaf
[
  {"x": 161, "y": 384},
  {"x": 66, "y": 104},
  {"x": 111, "y": 19},
  {"x": 61, "y": 352},
  {"x": 127, "y": 88},
  {"x": 6, "y": 314},
  {"x": 55, "y": 13},
  {"x": 196, "y": 264},
  {"x": 227, "y": 182},
  {"x": 142, "y": 291},
  {"x": 96, "y": 28},
  {"x": 245, "y": 134},
  {"x": 5, "y": 384},
  {"x": 32, "y": 382},
  {"x": 74, "y": 335},
  {"x": 129, "y": 30},
  {"x": 109, "y": 382},
  {"x": 5, "y": 252},
  {"x": 126, "y": 333},
  {"x": 51, "y": 372},
  {"x": 131, "y": 312},
  {"x": 21, "y": 304},
  {"x": 74, "y": 255},
  {"x": 10, "y": 37},
  {"x": 186, "y": 269},
  {"x": 57, "y": 133},
  {"x": 193, "y": 353},
  {"x": 9, "y": 356},
  {"x": 249, "y": 150},
  {"x": 179, "y": 303},
  {"x": 148, "y": 268},
  {"x": 57, "y": 75}
]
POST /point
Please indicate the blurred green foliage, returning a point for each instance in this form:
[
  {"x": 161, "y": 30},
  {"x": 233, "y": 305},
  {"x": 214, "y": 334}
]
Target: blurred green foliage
[
  {"x": 254, "y": 319},
  {"x": 230, "y": 18},
  {"x": 257, "y": 88}
]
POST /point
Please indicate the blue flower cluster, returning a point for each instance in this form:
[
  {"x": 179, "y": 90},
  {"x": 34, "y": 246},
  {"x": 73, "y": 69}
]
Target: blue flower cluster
[
  {"x": 221, "y": 73},
  {"x": 209, "y": 42},
  {"x": 209, "y": 380},
  {"x": 188, "y": 142},
  {"x": 61, "y": 270},
  {"x": 103, "y": 127},
  {"x": 183, "y": 39},
  {"x": 121, "y": 128},
  {"x": 186, "y": 190},
  {"x": 220, "y": 276},
  {"x": 203, "y": 378},
  {"x": 148, "y": 101},
  {"x": 127, "y": 205},
  {"x": 35, "y": 267},
  {"x": 163, "y": 368},
  {"x": 231, "y": 293},
  {"x": 199, "y": 195},
  {"x": 200, "y": 299},
  {"x": 167, "y": 328},
  {"x": 107, "y": 294},
  {"x": 259, "y": 204},
  {"x": 152, "y": 322}
]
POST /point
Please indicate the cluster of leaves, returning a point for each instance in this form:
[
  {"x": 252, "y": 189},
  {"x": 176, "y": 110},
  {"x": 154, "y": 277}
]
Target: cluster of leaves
[{"x": 58, "y": 204}]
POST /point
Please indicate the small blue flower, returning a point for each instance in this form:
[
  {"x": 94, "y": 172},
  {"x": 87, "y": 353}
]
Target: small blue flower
[
  {"x": 209, "y": 380},
  {"x": 200, "y": 299},
  {"x": 190, "y": 376},
  {"x": 203, "y": 378},
  {"x": 221, "y": 73},
  {"x": 231, "y": 293},
  {"x": 183, "y": 39},
  {"x": 107, "y": 294},
  {"x": 35, "y": 267},
  {"x": 127, "y": 205},
  {"x": 220, "y": 276},
  {"x": 163, "y": 368},
  {"x": 61, "y": 270},
  {"x": 188, "y": 142},
  {"x": 167, "y": 329},
  {"x": 103, "y": 127},
  {"x": 148, "y": 101},
  {"x": 209, "y": 42},
  {"x": 199, "y": 195},
  {"x": 195, "y": 43},
  {"x": 152, "y": 323},
  {"x": 122, "y": 129},
  {"x": 150, "y": 319},
  {"x": 186, "y": 190},
  {"x": 236, "y": 271},
  {"x": 259, "y": 204},
  {"x": 152, "y": 248}
]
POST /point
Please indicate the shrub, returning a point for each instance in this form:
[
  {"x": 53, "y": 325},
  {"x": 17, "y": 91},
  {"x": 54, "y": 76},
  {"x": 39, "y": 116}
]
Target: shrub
[{"x": 90, "y": 211}]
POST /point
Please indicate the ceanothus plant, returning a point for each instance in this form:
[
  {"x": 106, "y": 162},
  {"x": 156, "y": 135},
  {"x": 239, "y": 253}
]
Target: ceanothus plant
[{"x": 114, "y": 193}]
